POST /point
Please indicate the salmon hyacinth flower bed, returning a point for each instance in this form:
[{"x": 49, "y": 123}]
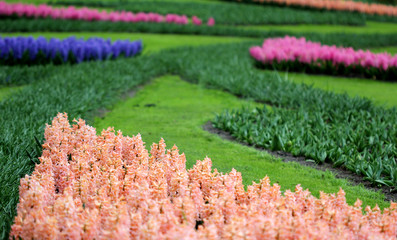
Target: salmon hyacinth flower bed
[
  {"x": 90, "y": 186},
  {"x": 338, "y": 5},
  {"x": 298, "y": 54},
  {"x": 30, "y": 51},
  {"x": 43, "y": 11}
]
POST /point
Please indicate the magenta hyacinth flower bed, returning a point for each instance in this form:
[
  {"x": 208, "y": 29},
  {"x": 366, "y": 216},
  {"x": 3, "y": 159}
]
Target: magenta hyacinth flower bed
[
  {"x": 43, "y": 11},
  {"x": 30, "y": 51},
  {"x": 299, "y": 54}
]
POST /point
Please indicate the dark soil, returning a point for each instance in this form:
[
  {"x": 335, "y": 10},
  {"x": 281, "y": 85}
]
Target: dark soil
[{"x": 339, "y": 172}]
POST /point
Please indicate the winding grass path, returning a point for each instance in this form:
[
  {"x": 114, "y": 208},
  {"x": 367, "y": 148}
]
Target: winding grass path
[
  {"x": 8, "y": 91},
  {"x": 177, "y": 110},
  {"x": 392, "y": 50}
]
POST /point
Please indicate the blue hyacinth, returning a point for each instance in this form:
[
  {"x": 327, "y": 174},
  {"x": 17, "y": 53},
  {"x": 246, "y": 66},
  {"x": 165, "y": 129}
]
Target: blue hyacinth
[{"x": 27, "y": 50}]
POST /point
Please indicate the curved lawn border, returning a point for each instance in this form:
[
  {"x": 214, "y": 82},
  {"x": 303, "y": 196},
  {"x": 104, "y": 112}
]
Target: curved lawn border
[{"x": 340, "y": 173}]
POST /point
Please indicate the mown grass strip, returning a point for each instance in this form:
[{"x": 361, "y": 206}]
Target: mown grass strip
[
  {"x": 340, "y": 39},
  {"x": 370, "y": 27},
  {"x": 392, "y": 50},
  {"x": 8, "y": 91},
  {"x": 381, "y": 93},
  {"x": 176, "y": 110}
]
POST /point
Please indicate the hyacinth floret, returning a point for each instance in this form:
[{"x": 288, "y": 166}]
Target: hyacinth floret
[{"x": 90, "y": 186}]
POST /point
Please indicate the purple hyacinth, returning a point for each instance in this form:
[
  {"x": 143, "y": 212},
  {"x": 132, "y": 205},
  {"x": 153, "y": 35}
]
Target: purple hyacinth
[
  {"x": 4, "y": 49},
  {"x": 68, "y": 49}
]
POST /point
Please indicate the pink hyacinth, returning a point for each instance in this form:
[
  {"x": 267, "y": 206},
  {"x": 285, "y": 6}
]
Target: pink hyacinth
[
  {"x": 173, "y": 18},
  {"x": 257, "y": 53},
  {"x": 196, "y": 20},
  {"x": 42, "y": 11},
  {"x": 292, "y": 49}
]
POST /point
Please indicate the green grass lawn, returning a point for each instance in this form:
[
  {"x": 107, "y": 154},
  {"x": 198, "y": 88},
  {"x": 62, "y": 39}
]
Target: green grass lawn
[
  {"x": 391, "y": 50},
  {"x": 371, "y": 27},
  {"x": 382, "y": 93},
  {"x": 7, "y": 91},
  {"x": 176, "y": 110}
]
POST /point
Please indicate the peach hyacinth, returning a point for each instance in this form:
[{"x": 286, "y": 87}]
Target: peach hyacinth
[
  {"x": 110, "y": 187},
  {"x": 339, "y": 5}
]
